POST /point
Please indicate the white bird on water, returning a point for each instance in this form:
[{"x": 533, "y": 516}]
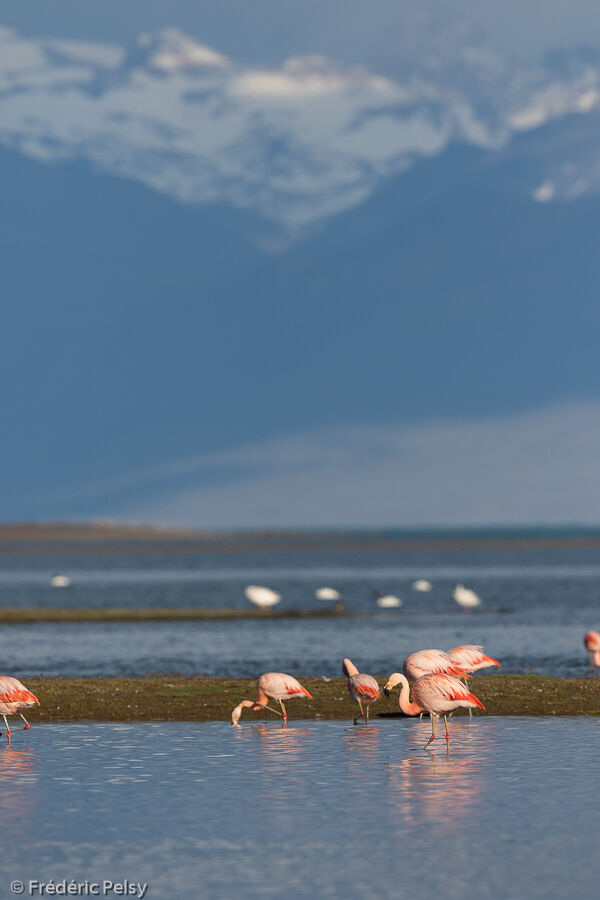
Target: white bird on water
[
  {"x": 327, "y": 593},
  {"x": 263, "y": 597},
  {"x": 60, "y": 581},
  {"x": 387, "y": 601},
  {"x": 421, "y": 585},
  {"x": 465, "y": 597}
]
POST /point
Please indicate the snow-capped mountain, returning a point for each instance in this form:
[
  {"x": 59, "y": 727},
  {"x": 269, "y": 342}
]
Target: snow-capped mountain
[{"x": 296, "y": 143}]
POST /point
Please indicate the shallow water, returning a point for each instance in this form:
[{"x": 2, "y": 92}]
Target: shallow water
[
  {"x": 317, "y": 809},
  {"x": 537, "y": 605}
]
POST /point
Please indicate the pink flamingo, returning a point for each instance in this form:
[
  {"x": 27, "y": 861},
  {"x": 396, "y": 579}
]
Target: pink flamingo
[
  {"x": 431, "y": 662},
  {"x": 438, "y": 695},
  {"x": 275, "y": 686},
  {"x": 471, "y": 658},
  {"x": 13, "y": 697},
  {"x": 592, "y": 645},
  {"x": 362, "y": 688}
]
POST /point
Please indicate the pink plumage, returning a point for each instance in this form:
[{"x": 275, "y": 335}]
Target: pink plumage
[
  {"x": 592, "y": 645},
  {"x": 14, "y": 696},
  {"x": 272, "y": 685},
  {"x": 431, "y": 662},
  {"x": 436, "y": 694},
  {"x": 471, "y": 658},
  {"x": 362, "y": 688}
]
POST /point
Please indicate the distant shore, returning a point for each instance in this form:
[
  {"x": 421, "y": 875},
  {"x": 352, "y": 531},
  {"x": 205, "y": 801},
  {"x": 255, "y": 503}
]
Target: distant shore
[
  {"x": 113, "y": 538},
  {"x": 201, "y": 699}
]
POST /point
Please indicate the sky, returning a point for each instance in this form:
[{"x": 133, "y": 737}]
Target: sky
[{"x": 300, "y": 265}]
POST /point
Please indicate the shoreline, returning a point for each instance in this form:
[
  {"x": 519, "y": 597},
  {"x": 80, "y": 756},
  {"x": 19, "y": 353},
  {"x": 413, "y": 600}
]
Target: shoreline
[
  {"x": 211, "y": 699},
  {"x": 33, "y": 615}
]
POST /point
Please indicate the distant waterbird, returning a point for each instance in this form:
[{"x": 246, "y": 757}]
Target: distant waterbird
[
  {"x": 422, "y": 585},
  {"x": 60, "y": 581},
  {"x": 327, "y": 593},
  {"x": 263, "y": 597},
  {"x": 272, "y": 686},
  {"x": 465, "y": 597},
  {"x": 14, "y": 696},
  {"x": 437, "y": 695},
  {"x": 362, "y": 688},
  {"x": 387, "y": 601},
  {"x": 592, "y": 645}
]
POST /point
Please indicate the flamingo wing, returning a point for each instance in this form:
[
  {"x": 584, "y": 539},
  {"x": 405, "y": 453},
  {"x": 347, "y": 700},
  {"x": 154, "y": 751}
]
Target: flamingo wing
[
  {"x": 279, "y": 685},
  {"x": 12, "y": 691},
  {"x": 443, "y": 687},
  {"x": 364, "y": 686},
  {"x": 431, "y": 662},
  {"x": 471, "y": 656}
]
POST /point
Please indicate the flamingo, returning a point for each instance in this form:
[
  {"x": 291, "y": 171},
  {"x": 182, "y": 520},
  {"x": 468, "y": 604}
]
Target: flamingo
[
  {"x": 592, "y": 645},
  {"x": 431, "y": 662},
  {"x": 13, "y": 697},
  {"x": 272, "y": 685},
  {"x": 471, "y": 658},
  {"x": 362, "y": 688},
  {"x": 262, "y": 597},
  {"x": 60, "y": 581},
  {"x": 465, "y": 597},
  {"x": 436, "y": 694}
]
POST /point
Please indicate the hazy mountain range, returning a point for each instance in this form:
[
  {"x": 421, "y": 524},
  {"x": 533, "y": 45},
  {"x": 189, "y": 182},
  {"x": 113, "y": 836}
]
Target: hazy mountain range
[{"x": 219, "y": 277}]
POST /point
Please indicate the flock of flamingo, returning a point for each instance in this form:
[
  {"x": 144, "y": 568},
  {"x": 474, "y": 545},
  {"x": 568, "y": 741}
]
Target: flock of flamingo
[
  {"x": 265, "y": 597},
  {"x": 436, "y": 688}
]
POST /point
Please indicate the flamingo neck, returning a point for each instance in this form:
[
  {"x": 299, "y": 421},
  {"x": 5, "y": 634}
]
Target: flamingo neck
[
  {"x": 262, "y": 697},
  {"x": 408, "y": 708}
]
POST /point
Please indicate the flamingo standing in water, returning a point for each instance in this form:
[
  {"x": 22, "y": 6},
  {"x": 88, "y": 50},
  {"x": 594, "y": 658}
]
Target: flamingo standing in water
[
  {"x": 275, "y": 686},
  {"x": 592, "y": 645},
  {"x": 438, "y": 695},
  {"x": 13, "y": 697},
  {"x": 362, "y": 688}
]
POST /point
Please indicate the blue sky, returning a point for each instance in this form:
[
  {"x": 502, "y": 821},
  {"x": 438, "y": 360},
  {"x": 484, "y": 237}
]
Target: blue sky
[{"x": 271, "y": 266}]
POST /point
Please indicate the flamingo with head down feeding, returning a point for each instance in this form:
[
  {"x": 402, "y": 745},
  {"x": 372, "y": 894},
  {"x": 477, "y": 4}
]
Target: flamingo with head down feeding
[
  {"x": 275, "y": 686},
  {"x": 362, "y": 688},
  {"x": 592, "y": 645},
  {"x": 14, "y": 696},
  {"x": 438, "y": 695}
]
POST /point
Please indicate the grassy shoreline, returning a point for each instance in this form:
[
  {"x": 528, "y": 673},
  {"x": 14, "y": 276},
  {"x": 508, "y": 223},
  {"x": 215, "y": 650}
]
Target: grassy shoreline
[
  {"x": 201, "y": 699},
  {"x": 36, "y": 615}
]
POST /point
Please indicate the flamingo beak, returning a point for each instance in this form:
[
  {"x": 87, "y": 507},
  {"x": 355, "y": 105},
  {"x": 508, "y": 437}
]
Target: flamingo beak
[{"x": 386, "y": 691}]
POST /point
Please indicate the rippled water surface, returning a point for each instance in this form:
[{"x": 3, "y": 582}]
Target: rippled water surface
[
  {"x": 317, "y": 809},
  {"x": 537, "y": 605}
]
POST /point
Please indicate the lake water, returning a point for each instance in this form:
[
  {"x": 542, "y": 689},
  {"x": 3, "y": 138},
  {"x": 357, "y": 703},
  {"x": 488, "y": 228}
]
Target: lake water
[
  {"x": 537, "y": 605},
  {"x": 316, "y": 809}
]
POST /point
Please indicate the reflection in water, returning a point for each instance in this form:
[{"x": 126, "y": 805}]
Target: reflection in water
[
  {"x": 17, "y": 780},
  {"x": 443, "y": 786},
  {"x": 362, "y": 750}
]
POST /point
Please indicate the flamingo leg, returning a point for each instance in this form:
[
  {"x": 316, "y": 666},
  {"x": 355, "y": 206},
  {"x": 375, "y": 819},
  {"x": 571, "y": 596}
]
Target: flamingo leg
[
  {"x": 361, "y": 713},
  {"x": 7, "y": 728},
  {"x": 276, "y": 711},
  {"x": 447, "y": 733},
  {"x": 27, "y": 725},
  {"x": 367, "y": 713},
  {"x": 283, "y": 710},
  {"x": 432, "y": 738}
]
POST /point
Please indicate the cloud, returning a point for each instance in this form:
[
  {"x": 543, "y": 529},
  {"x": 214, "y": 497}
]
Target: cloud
[{"x": 526, "y": 469}]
